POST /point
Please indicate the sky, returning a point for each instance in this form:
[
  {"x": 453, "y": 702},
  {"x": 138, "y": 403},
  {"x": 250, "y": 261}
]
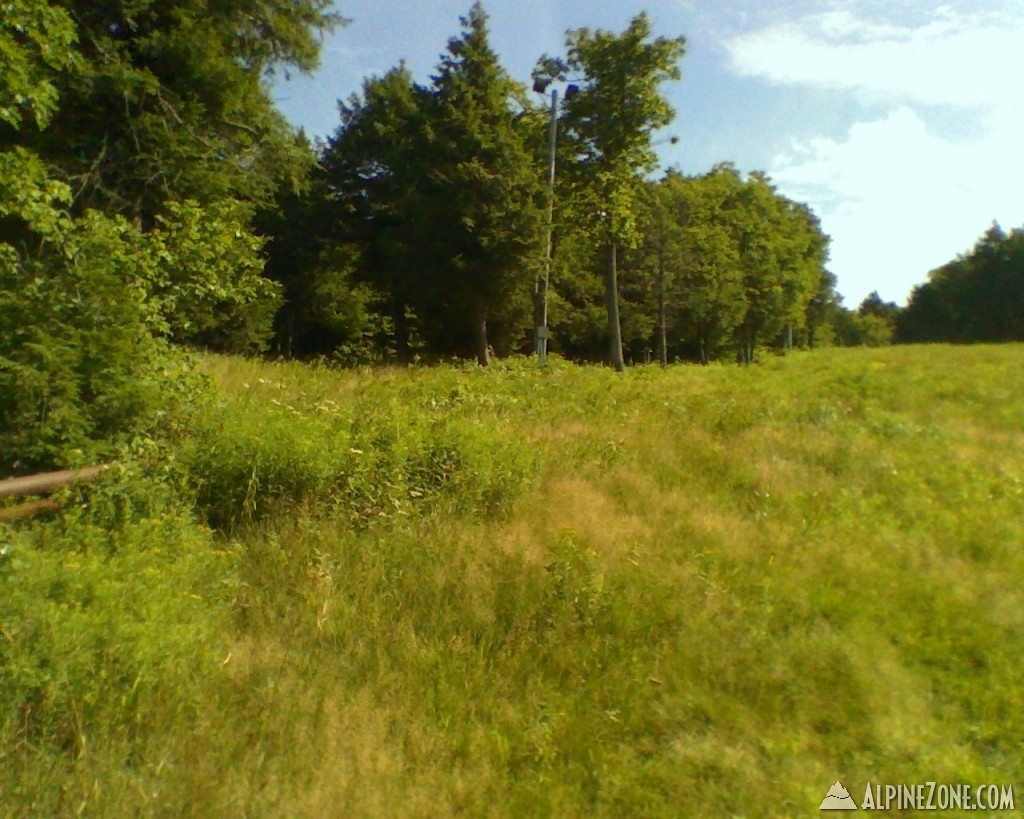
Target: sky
[{"x": 900, "y": 122}]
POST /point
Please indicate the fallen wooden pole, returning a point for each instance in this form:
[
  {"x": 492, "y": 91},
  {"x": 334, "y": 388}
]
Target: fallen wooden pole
[
  {"x": 27, "y": 510},
  {"x": 45, "y": 483}
]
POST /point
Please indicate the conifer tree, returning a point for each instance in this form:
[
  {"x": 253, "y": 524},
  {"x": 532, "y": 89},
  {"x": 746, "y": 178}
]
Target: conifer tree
[
  {"x": 483, "y": 186},
  {"x": 375, "y": 166}
]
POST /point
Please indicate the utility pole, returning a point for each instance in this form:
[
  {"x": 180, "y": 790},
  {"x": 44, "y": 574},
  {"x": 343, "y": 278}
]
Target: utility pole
[{"x": 541, "y": 329}]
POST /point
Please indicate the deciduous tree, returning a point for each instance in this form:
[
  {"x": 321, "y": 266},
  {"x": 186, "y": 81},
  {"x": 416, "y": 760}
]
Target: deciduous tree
[
  {"x": 169, "y": 101},
  {"x": 610, "y": 123}
]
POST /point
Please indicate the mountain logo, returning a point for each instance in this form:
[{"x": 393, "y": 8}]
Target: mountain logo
[{"x": 838, "y": 798}]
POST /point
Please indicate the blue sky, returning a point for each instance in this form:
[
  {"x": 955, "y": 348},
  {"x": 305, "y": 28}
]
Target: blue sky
[{"x": 900, "y": 122}]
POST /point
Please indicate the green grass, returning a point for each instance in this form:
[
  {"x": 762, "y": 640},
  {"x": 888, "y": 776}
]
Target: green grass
[{"x": 534, "y": 592}]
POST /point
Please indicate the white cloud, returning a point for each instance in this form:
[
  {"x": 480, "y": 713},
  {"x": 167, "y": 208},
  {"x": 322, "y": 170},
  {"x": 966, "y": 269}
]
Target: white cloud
[
  {"x": 900, "y": 201},
  {"x": 954, "y": 60},
  {"x": 898, "y": 198}
]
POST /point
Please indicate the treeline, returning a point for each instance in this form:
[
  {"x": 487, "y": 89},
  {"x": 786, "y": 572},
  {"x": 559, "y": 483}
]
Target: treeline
[
  {"x": 453, "y": 218},
  {"x": 426, "y": 227},
  {"x": 976, "y": 297},
  {"x": 151, "y": 196}
]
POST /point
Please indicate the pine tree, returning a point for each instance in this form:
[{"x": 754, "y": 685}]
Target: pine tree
[
  {"x": 483, "y": 186},
  {"x": 375, "y": 166}
]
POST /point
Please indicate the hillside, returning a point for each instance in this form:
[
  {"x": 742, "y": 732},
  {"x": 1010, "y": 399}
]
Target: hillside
[{"x": 532, "y": 592}]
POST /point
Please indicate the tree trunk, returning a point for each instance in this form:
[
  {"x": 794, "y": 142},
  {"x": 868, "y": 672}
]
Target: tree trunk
[
  {"x": 745, "y": 346},
  {"x": 662, "y": 333},
  {"x": 401, "y": 329},
  {"x": 137, "y": 215},
  {"x": 480, "y": 327},
  {"x": 289, "y": 342},
  {"x": 611, "y": 294},
  {"x": 538, "y": 318}
]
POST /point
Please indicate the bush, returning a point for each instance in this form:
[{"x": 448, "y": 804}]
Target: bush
[
  {"x": 208, "y": 279},
  {"x": 83, "y": 364},
  {"x": 110, "y": 631},
  {"x": 88, "y": 306}
]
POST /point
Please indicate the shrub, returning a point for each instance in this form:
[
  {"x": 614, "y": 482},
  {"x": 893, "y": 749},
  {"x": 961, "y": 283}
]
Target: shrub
[
  {"x": 110, "y": 631},
  {"x": 88, "y": 305},
  {"x": 208, "y": 277},
  {"x": 83, "y": 364}
]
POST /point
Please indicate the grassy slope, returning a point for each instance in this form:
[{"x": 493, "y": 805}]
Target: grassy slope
[{"x": 692, "y": 593}]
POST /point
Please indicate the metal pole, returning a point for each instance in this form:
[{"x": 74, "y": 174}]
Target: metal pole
[{"x": 542, "y": 334}]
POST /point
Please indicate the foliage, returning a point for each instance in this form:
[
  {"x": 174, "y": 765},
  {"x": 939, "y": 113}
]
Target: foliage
[
  {"x": 209, "y": 281},
  {"x": 83, "y": 362},
  {"x": 326, "y": 306},
  {"x": 167, "y": 100},
  {"x": 114, "y": 621},
  {"x": 371, "y": 200},
  {"x": 89, "y": 310},
  {"x": 871, "y": 325},
  {"x": 430, "y": 199},
  {"x": 485, "y": 219},
  {"x": 712, "y": 295},
  {"x": 977, "y": 297},
  {"x": 609, "y": 124},
  {"x": 724, "y": 261},
  {"x": 822, "y": 307},
  {"x": 621, "y": 75},
  {"x": 440, "y": 198},
  {"x": 89, "y": 301},
  {"x": 36, "y": 41},
  {"x": 783, "y": 252}
]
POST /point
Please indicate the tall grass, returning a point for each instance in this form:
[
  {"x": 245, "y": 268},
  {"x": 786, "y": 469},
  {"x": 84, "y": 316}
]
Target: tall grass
[{"x": 537, "y": 592}]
